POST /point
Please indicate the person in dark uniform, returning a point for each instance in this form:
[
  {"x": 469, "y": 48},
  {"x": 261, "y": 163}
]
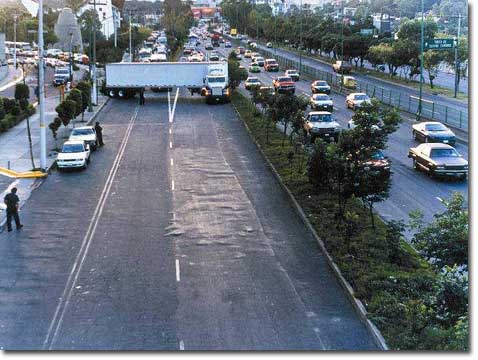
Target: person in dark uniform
[
  {"x": 141, "y": 96},
  {"x": 99, "y": 134},
  {"x": 12, "y": 201}
]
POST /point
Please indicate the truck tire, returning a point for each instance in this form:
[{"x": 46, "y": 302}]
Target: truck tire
[
  {"x": 112, "y": 93},
  {"x": 122, "y": 94}
]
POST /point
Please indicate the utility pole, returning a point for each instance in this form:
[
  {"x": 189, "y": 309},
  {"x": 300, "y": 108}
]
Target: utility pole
[
  {"x": 15, "y": 16},
  {"x": 342, "y": 32},
  {"x": 300, "y": 38},
  {"x": 114, "y": 26},
  {"x": 457, "y": 64},
  {"x": 130, "y": 42},
  {"x": 94, "y": 94},
  {"x": 41, "y": 87},
  {"x": 275, "y": 34},
  {"x": 419, "y": 112}
]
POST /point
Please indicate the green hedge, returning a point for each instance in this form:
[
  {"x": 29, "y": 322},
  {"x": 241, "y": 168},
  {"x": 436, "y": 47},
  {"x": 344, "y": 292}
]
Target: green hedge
[
  {"x": 11, "y": 113},
  {"x": 394, "y": 283}
]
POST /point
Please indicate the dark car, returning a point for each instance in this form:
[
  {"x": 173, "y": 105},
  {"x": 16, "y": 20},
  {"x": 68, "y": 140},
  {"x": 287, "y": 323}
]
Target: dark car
[
  {"x": 432, "y": 131},
  {"x": 439, "y": 160}
]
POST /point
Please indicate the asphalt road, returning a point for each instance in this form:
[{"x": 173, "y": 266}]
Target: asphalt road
[
  {"x": 411, "y": 190},
  {"x": 177, "y": 237},
  {"x": 406, "y": 91}
]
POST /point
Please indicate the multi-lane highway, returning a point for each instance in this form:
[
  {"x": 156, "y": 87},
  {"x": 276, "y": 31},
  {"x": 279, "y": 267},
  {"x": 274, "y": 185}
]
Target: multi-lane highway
[
  {"x": 411, "y": 190},
  {"x": 176, "y": 237}
]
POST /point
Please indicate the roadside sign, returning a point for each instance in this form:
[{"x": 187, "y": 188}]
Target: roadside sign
[
  {"x": 439, "y": 44},
  {"x": 366, "y": 31},
  {"x": 233, "y": 31}
]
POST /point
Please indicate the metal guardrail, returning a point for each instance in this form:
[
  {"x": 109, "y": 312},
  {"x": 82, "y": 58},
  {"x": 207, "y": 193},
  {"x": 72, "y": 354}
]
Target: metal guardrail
[{"x": 430, "y": 110}]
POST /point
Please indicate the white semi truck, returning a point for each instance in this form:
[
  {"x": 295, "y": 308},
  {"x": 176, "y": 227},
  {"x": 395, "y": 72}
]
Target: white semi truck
[{"x": 210, "y": 79}]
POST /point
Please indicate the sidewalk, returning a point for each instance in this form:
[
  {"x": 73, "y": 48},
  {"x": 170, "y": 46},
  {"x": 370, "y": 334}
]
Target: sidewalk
[
  {"x": 13, "y": 76},
  {"x": 15, "y": 151}
]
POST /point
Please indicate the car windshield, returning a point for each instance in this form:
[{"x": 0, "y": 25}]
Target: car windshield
[
  {"x": 321, "y": 97},
  {"x": 79, "y": 132},
  {"x": 320, "y": 118},
  {"x": 320, "y": 83},
  {"x": 271, "y": 63},
  {"x": 254, "y": 64},
  {"x": 439, "y": 153},
  {"x": 217, "y": 79},
  {"x": 72, "y": 148},
  {"x": 285, "y": 79},
  {"x": 378, "y": 155},
  {"x": 253, "y": 80},
  {"x": 62, "y": 72},
  {"x": 361, "y": 97},
  {"x": 292, "y": 71},
  {"x": 259, "y": 59},
  {"x": 435, "y": 127}
]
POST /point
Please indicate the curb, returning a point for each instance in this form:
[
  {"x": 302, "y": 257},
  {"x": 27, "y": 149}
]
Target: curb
[{"x": 356, "y": 303}]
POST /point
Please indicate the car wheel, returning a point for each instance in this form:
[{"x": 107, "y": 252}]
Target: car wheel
[
  {"x": 415, "y": 165},
  {"x": 415, "y": 135},
  {"x": 85, "y": 166},
  {"x": 426, "y": 139}
]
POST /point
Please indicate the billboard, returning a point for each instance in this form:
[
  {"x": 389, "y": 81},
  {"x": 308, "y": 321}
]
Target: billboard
[{"x": 233, "y": 31}]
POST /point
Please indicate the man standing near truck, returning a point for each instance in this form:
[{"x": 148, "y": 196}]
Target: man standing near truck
[
  {"x": 12, "y": 201},
  {"x": 141, "y": 96}
]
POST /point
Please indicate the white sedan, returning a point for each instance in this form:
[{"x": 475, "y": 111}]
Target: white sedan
[
  {"x": 74, "y": 154},
  {"x": 86, "y": 134},
  {"x": 355, "y": 100}
]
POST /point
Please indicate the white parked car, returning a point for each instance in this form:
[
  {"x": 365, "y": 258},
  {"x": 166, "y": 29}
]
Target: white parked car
[
  {"x": 86, "y": 134},
  {"x": 74, "y": 154},
  {"x": 355, "y": 100}
]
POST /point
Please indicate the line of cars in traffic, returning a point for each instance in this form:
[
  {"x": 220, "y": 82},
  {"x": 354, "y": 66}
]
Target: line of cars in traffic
[
  {"x": 76, "y": 151},
  {"x": 435, "y": 155}
]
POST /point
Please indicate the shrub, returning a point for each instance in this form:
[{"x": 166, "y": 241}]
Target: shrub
[
  {"x": 2, "y": 109},
  {"x": 8, "y": 105}
]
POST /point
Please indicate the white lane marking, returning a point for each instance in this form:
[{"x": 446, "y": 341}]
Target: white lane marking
[
  {"x": 170, "y": 145},
  {"x": 439, "y": 199},
  {"x": 172, "y": 162},
  {"x": 75, "y": 271},
  {"x": 169, "y": 107},
  {"x": 178, "y": 273},
  {"x": 170, "y": 131},
  {"x": 181, "y": 345},
  {"x": 172, "y": 184},
  {"x": 174, "y": 106}
]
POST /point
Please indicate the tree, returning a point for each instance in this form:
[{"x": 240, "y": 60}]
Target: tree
[
  {"x": 236, "y": 73},
  {"x": 2, "y": 109},
  {"x": 76, "y": 96},
  {"x": 85, "y": 88},
  {"x": 66, "y": 111},
  {"x": 444, "y": 242},
  {"x": 22, "y": 94},
  {"x": 431, "y": 61}
]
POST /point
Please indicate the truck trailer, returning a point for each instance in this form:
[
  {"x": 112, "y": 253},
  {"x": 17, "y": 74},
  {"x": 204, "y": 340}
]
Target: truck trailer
[{"x": 209, "y": 79}]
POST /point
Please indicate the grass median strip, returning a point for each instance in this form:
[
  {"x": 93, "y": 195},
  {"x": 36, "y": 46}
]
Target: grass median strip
[{"x": 393, "y": 282}]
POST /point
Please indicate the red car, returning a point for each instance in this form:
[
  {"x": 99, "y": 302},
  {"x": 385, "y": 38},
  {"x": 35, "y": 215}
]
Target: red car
[{"x": 284, "y": 85}]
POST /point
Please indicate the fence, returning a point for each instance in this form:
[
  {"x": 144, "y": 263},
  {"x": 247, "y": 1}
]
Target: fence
[{"x": 430, "y": 110}]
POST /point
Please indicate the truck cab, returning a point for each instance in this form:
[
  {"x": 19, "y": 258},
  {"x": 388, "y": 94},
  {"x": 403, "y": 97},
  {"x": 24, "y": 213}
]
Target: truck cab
[{"x": 216, "y": 86}]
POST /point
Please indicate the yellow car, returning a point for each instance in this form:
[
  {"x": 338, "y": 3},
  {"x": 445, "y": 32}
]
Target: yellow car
[{"x": 247, "y": 54}]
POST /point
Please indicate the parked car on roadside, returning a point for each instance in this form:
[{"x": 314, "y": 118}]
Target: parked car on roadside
[
  {"x": 320, "y": 86},
  {"x": 74, "y": 154},
  {"x": 433, "y": 131},
  {"x": 439, "y": 160},
  {"x": 86, "y": 134}
]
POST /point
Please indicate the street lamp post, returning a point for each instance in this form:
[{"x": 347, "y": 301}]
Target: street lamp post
[
  {"x": 41, "y": 88},
  {"x": 422, "y": 26},
  {"x": 15, "y": 16},
  {"x": 457, "y": 67},
  {"x": 130, "y": 42}
]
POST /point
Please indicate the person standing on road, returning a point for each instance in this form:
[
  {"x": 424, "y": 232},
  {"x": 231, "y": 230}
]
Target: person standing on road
[
  {"x": 99, "y": 134},
  {"x": 12, "y": 201},
  {"x": 141, "y": 96}
]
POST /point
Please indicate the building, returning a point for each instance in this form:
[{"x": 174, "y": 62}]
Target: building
[
  {"x": 382, "y": 23},
  {"x": 68, "y": 31},
  {"x": 109, "y": 15},
  {"x": 277, "y": 6}
]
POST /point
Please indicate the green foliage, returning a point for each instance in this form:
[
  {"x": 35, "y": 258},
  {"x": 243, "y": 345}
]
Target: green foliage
[
  {"x": 177, "y": 20},
  {"x": 401, "y": 292},
  {"x": 445, "y": 240},
  {"x": 66, "y": 111},
  {"x": 76, "y": 96},
  {"x": 22, "y": 92},
  {"x": 235, "y": 71},
  {"x": 2, "y": 109}
]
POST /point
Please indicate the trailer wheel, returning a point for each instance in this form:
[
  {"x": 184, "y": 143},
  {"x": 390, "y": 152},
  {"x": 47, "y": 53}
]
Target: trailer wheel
[
  {"x": 121, "y": 94},
  {"x": 112, "y": 93}
]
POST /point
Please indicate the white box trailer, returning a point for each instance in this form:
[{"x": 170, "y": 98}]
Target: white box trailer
[{"x": 210, "y": 79}]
